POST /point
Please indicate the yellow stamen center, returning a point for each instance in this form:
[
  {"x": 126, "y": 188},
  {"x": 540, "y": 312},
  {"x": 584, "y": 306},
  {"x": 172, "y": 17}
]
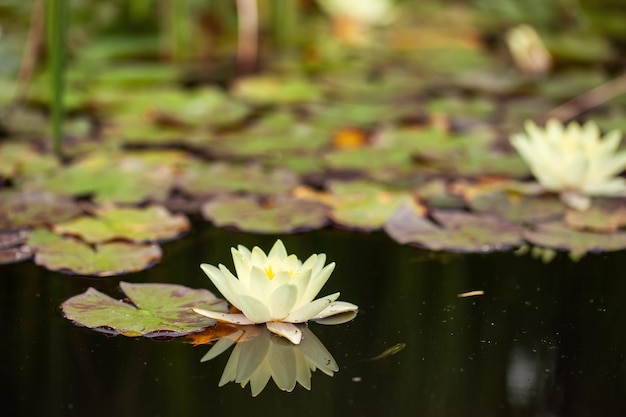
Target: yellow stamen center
[{"x": 269, "y": 272}]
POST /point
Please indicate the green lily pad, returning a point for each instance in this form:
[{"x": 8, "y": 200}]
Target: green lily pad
[
  {"x": 604, "y": 216},
  {"x": 202, "y": 107},
  {"x": 454, "y": 231},
  {"x": 146, "y": 224},
  {"x": 216, "y": 178},
  {"x": 369, "y": 159},
  {"x": 69, "y": 255},
  {"x": 557, "y": 235},
  {"x": 158, "y": 310},
  {"x": 277, "y": 90},
  {"x": 275, "y": 215},
  {"x": 22, "y": 160},
  {"x": 519, "y": 208},
  {"x": 32, "y": 208},
  {"x": 363, "y": 205},
  {"x": 115, "y": 177}
]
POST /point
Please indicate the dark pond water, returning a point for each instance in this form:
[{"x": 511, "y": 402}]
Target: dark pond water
[{"x": 544, "y": 340}]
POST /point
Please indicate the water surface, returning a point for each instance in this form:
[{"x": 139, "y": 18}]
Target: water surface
[{"x": 543, "y": 340}]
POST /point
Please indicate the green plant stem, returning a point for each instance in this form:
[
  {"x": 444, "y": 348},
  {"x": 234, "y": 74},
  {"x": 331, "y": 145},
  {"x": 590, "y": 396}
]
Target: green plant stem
[{"x": 56, "y": 24}]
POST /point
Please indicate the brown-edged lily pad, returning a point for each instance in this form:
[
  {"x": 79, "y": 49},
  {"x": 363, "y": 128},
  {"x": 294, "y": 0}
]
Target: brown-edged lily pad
[
  {"x": 72, "y": 256},
  {"x": 146, "y": 224},
  {"x": 274, "y": 215},
  {"x": 32, "y": 208},
  {"x": 558, "y": 236},
  {"x": 158, "y": 310},
  {"x": 604, "y": 216},
  {"x": 454, "y": 230}
]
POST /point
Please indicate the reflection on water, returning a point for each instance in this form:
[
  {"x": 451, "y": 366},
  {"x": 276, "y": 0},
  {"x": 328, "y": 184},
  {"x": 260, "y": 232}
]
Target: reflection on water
[{"x": 260, "y": 355}]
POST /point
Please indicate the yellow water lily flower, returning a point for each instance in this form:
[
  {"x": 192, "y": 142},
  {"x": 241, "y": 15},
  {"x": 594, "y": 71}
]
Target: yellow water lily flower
[
  {"x": 276, "y": 289},
  {"x": 573, "y": 160}
]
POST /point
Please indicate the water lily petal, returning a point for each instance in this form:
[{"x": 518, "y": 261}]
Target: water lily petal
[
  {"x": 278, "y": 251},
  {"x": 335, "y": 319},
  {"x": 242, "y": 267},
  {"x": 258, "y": 257},
  {"x": 224, "y": 281},
  {"x": 224, "y": 317},
  {"x": 287, "y": 330},
  {"x": 316, "y": 283},
  {"x": 311, "y": 310},
  {"x": 260, "y": 284},
  {"x": 282, "y": 300},
  {"x": 254, "y": 309},
  {"x": 337, "y": 307},
  {"x": 302, "y": 282}
]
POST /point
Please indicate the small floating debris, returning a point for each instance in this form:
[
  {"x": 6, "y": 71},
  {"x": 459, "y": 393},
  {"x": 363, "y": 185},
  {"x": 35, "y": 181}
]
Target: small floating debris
[{"x": 471, "y": 293}]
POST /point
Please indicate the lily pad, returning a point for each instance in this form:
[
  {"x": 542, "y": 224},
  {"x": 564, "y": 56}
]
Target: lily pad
[
  {"x": 277, "y": 90},
  {"x": 558, "y": 236},
  {"x": 364, "y": 206},
  {"x": 217, "y": 178},
  {"x": 69, "y": 255},
  {"x": 158, "y": 310},
  {"x": 454, "y": 231},
  {"x": 604, "y": 216},
  {"x": 115, "y": 177},
  {"x": 519, "y": 208},
  {"x": 33, "y": 208},
  {"x": 275, "y": 215},
  {"x": 146, "y": 224},
  {"x": 22, "y": 160}
]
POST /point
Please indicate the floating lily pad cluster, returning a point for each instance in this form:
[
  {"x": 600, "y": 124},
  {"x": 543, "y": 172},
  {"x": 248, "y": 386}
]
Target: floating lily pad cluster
[{"x": 411, "y": 140}]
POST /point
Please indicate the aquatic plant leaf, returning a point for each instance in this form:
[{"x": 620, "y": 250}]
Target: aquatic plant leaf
[
  {"x": 69, "y": 255},
  {"x": 362, "y": 205},
  {"x": 116, "y": 177},
  {"x": 604, "y": 216},
  {"x": 218, "y": 178},
  {"x": 145, "y": 224},
  {"x": 158, "y": 310},
  {"x": 558, "y": 236},
  {"x": 369, "y": 159},
  {"x": 276, "y": 215},
  {"x": 519, "y": 208},
  {"x": 33, "y": 208},
  {"x": 270, "y": 89},
  {"x": 22, "y": 160},
  {"x": 455, "y": 231}
]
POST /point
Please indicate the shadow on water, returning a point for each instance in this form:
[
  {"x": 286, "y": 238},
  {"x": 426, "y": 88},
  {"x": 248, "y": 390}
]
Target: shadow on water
[{"x": 543, "y": 340}]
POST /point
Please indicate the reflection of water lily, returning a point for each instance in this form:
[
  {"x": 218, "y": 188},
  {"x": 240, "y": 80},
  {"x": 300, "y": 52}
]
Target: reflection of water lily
[
  {"x": 276, "y": 289},
  {"x": 259, "y": 355},
  {"x": 573, "y": 160}
]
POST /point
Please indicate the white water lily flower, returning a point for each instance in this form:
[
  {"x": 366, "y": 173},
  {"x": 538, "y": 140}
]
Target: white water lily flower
[
  {"x": 276, "y": 289},
  {"x": 573, "y": 160}
]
